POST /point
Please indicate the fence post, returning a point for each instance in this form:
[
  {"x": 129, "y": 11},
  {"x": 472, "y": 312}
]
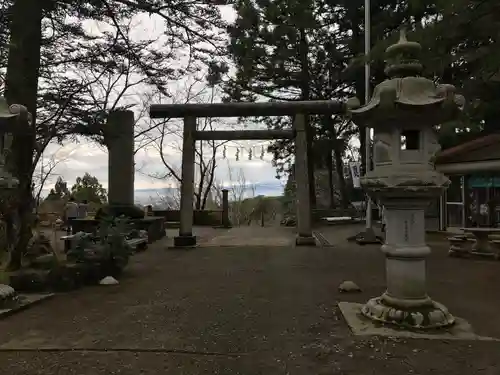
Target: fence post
[{"x": 225, "y": 209}]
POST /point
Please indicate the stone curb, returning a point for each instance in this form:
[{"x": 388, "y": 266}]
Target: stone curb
[{"x": 32, "y": 300}]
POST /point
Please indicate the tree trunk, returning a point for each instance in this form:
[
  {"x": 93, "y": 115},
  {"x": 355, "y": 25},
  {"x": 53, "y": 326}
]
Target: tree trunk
[
  {"x": 21, "y": 88},
  {"x": 210, "y": 183},
  {"x": 337, "y": 147},
  {"x": 359, "y": 82},
  {"x": 306, "y": 95},
  {"x": 329, "y": 166},
  {"x": 339, "y": 168}
]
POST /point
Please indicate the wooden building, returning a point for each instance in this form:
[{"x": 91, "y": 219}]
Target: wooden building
[{"x": 473, "y": 198}]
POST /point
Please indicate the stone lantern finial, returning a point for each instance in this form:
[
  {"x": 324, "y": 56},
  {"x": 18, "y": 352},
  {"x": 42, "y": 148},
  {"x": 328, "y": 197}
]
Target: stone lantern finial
[{"x": 403, "y": 58}]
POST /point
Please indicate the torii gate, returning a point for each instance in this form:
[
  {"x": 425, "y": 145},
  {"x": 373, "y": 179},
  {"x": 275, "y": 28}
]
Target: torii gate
[{"x": 298, "y": 109}]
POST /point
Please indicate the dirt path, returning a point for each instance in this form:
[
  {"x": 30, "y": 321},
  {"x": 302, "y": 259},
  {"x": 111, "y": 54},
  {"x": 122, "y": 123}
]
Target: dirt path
[
  {"x": 252, "y": 236},
  {"x": 252, "y": 310}
]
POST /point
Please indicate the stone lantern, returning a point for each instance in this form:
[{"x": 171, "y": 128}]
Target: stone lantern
[
  {"x": 12, "y": 120},
  {"x": 403, "y": 111}
]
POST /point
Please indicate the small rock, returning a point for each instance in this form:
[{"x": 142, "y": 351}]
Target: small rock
[
  {"x": 349, "y": 287},
  {"x": 108, "y": 280}
]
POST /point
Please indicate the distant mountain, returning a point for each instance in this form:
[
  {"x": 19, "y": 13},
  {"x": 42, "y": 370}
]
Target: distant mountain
[{"x": 145, "y": 196}]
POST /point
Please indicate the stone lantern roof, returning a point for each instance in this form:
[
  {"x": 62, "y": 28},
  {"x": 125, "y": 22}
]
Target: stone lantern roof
[
  {"x": 5, "y": 112},
  {"x": 10, "y": 112},
  {"x": 406, "y": 94},
  {"x": 9, "y": 124}
]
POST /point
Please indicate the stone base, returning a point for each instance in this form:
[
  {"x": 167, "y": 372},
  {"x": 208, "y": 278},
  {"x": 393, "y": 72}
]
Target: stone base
[
  {"x": 484, "y": 255},
  {"x": 362, "y": 326},
  {"x": 305, "y": 241},
  {"x": 458, "y": 253},
  {"x": 429, "y": 316},
  {"x": 184, "y": 241},
  {"x": 368, "y": 237},
  {"x": 473, "y": 254}
]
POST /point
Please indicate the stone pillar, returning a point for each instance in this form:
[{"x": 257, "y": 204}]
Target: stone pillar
[
  {"x": 303, "y": 204},
  {"x": 405, "y": 239},
  {"x": 121, "y": 169},
  {"x": 186, "y": 238},
  {"x": 405, "y": 301},
  {"x": 225, "y": 209}
]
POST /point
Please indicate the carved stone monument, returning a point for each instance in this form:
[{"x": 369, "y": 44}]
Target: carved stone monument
[
  {"x": 120, "y": 144},
  {"x": 403, "y": 112},
  {"x": 119, "y": 139}
]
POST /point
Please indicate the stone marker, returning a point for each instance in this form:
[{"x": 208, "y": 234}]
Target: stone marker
[{"x": 121, "y": 169}]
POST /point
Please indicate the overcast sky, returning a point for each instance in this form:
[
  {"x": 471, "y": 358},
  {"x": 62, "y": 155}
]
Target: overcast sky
[{"x": 74, "y": 159}]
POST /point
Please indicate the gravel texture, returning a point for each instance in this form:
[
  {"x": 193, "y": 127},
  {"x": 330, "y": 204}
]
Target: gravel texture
[{"x": 249, "y": 310}]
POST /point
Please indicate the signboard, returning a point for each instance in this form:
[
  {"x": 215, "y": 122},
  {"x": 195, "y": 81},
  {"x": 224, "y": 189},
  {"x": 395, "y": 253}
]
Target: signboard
[
  {"x": 484, "y": 182},
  {"x": 355, "y": 173}
]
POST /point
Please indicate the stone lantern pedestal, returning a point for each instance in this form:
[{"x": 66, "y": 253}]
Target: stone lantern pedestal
[
  {"x": 405, "y": 302},
  {"x": 403, "y": 112}
]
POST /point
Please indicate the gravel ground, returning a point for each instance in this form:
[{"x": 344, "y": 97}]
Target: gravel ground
[{"x": 252, "y": 310}]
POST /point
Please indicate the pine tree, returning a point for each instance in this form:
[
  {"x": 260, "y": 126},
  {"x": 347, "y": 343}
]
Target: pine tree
[
  {"x": 464, "y": 50},
  {"x": 90, "y": 189},
  {"x": 288, "y": 50}
]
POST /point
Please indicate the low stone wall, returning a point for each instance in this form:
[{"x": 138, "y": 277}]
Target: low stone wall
[{"x": 200, "y": 217}]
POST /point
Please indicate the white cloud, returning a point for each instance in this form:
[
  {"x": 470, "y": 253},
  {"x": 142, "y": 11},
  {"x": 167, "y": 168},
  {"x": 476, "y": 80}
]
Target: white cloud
[{"x": 75, "y": 159}]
